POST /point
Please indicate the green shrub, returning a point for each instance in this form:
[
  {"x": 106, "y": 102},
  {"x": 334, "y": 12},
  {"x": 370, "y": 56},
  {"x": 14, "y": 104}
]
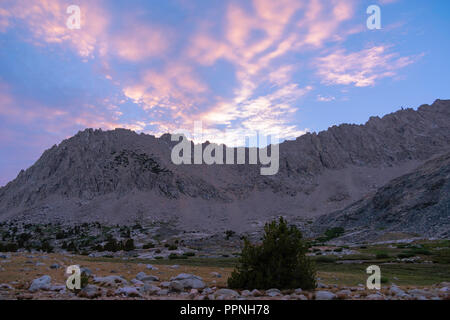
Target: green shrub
[
  {"x": 172, "y": 247},
  {"x": 334, "y": 233},
  {"x": 148, "y": 246},
  {"x": 280, "y": 261},
  {"x": 173, "y": 256},
  {"x": 421, "y": 251},
  {"x": 384, "y": 280},
  {"x": 189, "y": 254},
  {"x": 229, "y": 234},
  {"x": 405, "y": 254},
  {"x": 111, "y": 245},
  {"x": 129, "y": 245},
  {"x": 381, "y": 255},
  {"x": 326, "y": 259},
  {"x": 158, "y": 257}
]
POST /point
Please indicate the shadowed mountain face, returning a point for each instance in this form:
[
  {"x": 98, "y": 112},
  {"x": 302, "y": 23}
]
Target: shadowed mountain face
[
  {"x": 418, "y": 202},
  {"x": 122, "y": 177}
]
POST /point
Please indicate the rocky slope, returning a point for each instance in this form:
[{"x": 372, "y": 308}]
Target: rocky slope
[
  {"x": 418, "y": 202},
  {"x": 121, "y": 177}
]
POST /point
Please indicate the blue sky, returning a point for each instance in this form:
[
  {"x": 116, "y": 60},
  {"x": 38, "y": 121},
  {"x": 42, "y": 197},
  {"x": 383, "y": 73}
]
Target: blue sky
[{"x": 277, "y": 67}]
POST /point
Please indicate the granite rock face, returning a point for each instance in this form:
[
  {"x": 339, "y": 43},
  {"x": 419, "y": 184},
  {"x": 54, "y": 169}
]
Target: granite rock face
[
  {"x": 418, "y": 202},
  {"x": 120, "y": 176}
]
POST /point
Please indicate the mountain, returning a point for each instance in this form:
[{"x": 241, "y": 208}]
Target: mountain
[
  {"x": 120, "y": 176},
  {"x": 417, "y": 202}
]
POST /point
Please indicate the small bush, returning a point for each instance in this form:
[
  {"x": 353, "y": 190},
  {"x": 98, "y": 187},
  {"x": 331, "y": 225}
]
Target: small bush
[
  {"x": 129, "y": 245},
  {"x": 421, "y": 251},
  {"x": 334, "y": 233},
  {"x": 384, "y": 280},
  {"x": 280, "y": 261},
  {"x": 172, "y": 247},
  {"x": 148, "y": 246},
  {"x": 382, "y": 255},
  {"x": 158, "y": 257},
  {"x": 325, "y": 259},
  {"x": 189, "y": 254},
  {"x": 405, "y": 254}
]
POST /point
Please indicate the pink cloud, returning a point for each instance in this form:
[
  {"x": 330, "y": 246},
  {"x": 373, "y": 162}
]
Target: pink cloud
[
  {"x": 362, "y": 68},
  {"x": 46, "y": 20},
  {"x": 139, "y": 42}
]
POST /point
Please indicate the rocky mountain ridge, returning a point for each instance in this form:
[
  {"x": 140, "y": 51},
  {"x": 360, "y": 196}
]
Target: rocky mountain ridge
[{"x": 120, "y": 176}]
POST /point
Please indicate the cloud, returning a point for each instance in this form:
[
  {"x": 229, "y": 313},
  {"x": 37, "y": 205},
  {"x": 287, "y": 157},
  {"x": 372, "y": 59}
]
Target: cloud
[
  {"x": 362, "y": 68},
  {"x": 325, "y": 99},
  {"x": 139, "y": 42},
  {"x": 46, "y": 21}
]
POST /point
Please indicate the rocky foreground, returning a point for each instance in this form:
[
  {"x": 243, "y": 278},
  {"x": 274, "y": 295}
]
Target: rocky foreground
[{"x": 42, "y": 276}]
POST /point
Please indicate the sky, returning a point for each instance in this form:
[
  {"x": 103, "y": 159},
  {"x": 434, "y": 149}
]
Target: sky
[{"x": 281, "y": 68}]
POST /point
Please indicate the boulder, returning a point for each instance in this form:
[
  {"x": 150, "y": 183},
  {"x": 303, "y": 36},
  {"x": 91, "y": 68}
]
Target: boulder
[
  {"x": 42, "y": 283},
  {"x": 325, "y": 295},
  {"x": 110, "y": 281},
  {"x": 90, "y": 292},
  {"x": 131, "y": 292}
]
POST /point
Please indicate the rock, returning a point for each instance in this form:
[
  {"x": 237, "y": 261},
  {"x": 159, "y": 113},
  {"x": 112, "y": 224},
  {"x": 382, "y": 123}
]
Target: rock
[
  {"x": 42, "y": 283},
  {"x": 273, "y": 293},
  {"x": 300, "y": 297},
  {"x": 90, "y": 292},
  {"x": 444, "y": 289},
  {"x": 55, "y": 266},
  {"x": 256, "y": 293},
  {"x": 325, "y": 295},
  {"x": 216, "y": 275},
  {"x": 137, "y": 282},
  {"x": 86, "y": 271},
  {"x": 418, "y": 292},
  {"x": 109, "y": 281},
  {"x": 189, "y": 281},
  {"x": 163, "y": 292},
  {"x": 142, "y": 276},
  {"x": 150, "y": 267},
  {"x": 4, "y": 256},
  {"x": 5, "y": 286},
  {"x": 207, "y": 291},
  {"x": 57, "y": 288},
  {"x": 344, "y": 294},
  {"x": 131, "y": 292},
  {"x": 321, "y": 285},
  {"x": 375, "y": 296},
  {"x": 176, "y": 286},
  {"x": 183, "y": 276},
  {"x": 175, "y": 266},
  {"x": 226, "y": 293},
  {"x": 150, "y": 289},
  {"x": 246, "y": 293},
  {"x": 165, "y": 284},
  {"x": 39, "y": 264},
  {"x": 298, "y": 291},
  {"x": 396, "y": 291}
]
